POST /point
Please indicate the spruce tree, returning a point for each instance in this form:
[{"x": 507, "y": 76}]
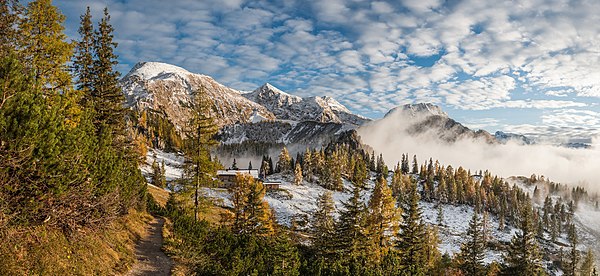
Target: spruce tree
[
  {"x": 415, "y": 165},
  {"x": 523, "y": 257},
  {"x": 107, "y": 96},
  {"x": 572, "y": 262},
  {"x": 351, "y": 238},
  {"x": 323, "y": 227},
  {"x": 83, "y": 59},
  {"x": 472, "y": 251},
  {"x": 411, "y": 242}
]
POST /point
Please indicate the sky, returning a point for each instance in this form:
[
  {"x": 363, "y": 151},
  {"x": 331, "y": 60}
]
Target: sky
[{"x": 530, "y": 66}]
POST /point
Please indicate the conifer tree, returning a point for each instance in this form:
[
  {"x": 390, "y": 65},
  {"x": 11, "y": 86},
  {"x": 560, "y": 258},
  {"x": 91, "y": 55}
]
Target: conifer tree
[
  {"x": 44, "y": 47},
  {"x": 252, "y": 215},
  {"x": 199, "y": 167},
  {"x": 83, "y": 59},
  {"x": 264, "y": 168},
  {"x": 107, "y": 96},
  {"x": 382, "y": 219},
  {"x": 284, "y": 161},
  {"x": 440, "y": 214},
  {"x": 298, "y": 174},
  {"x": 472, "y": 251},
  {"x": 411, "y": 242},
  {"x": 360, "y": 173},
  {"x": 351, "y": 239},
  {"x": 523, "y": 257},
  {"x": 587, "y": 266},
  {"x": 405, "y": 168},
  {"x": 323, "y": 229},
  {"x": 9, "y": 33},
  {"x": 156, "y": 174},
  {"x": 415, "y": 165},
  {"x": 572, "y": 262},
  {"x": 234, "y": 165},
  {"x": 307, "y": 167}
]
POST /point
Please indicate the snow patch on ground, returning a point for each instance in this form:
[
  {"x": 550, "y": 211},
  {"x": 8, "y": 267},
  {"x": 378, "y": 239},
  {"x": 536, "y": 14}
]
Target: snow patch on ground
[{"x": 173, "y": 164}]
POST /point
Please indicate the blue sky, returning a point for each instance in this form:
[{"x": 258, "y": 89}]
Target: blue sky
[{"x": 530, "y": 67}]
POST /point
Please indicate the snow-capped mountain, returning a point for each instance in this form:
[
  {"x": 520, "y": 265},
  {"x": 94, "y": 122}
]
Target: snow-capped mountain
[
  {"x": 418, "y": 110},
  {"x": 169, "y": 90},
  {"x": 290, "y": 107},
  {"x": 421, "y": 118}
]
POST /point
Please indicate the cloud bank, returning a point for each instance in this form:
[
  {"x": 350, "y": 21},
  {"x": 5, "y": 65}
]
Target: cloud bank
[{"x": 568, "y": 166}]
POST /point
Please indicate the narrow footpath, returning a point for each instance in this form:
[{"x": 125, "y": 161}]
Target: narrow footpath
[{"x": 151, "y": 260}]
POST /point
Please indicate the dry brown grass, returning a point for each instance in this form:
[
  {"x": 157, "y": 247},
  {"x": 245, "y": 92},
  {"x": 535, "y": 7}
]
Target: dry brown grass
[
  {"x": 160, "y": 195},
  {"x": 43, "y": 250}
]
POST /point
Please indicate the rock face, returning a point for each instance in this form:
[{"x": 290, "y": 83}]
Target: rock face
[
  {"x": 288, "y": 107},
  {"x": 169, "y": 90},
  {"x": 161, "y": 95}
]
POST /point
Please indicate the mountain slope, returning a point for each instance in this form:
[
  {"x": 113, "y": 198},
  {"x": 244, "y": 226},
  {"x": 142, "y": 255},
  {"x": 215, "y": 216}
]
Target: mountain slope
[
  {"x": 168, "y": 89},
  {"x": 426, "y": 118},
  {"x": 290, "y": 107}
]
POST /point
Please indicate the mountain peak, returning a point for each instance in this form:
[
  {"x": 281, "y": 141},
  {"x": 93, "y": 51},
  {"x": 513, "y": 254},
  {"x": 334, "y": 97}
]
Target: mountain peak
[
  {"x": 419, "y": 109},
  {"x": 150, "y": 70}
]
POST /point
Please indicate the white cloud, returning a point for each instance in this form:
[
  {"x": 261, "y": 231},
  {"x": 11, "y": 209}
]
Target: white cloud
[{"x": 489, "y": 49}]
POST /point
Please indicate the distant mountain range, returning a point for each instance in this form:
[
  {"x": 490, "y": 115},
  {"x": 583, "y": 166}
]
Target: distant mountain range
[{"x": 270, "y": 115}]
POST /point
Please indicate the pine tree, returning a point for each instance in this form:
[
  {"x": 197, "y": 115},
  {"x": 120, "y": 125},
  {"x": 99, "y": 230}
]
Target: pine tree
[
  {"x": 472, "y": 251},
  {"x": 199, "y": 167},
  {"x": 250, "y": 165},
  {"x": 298, "y": 174},
  {"x": 323, "y": 229},
  {"x": 411, "y": 242},
  {"x": 523, "y": 257},
  {"x": 44, "y": 47},
  {"x": 382, "y": 219},
  {"x": 234, "y": 165}
]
